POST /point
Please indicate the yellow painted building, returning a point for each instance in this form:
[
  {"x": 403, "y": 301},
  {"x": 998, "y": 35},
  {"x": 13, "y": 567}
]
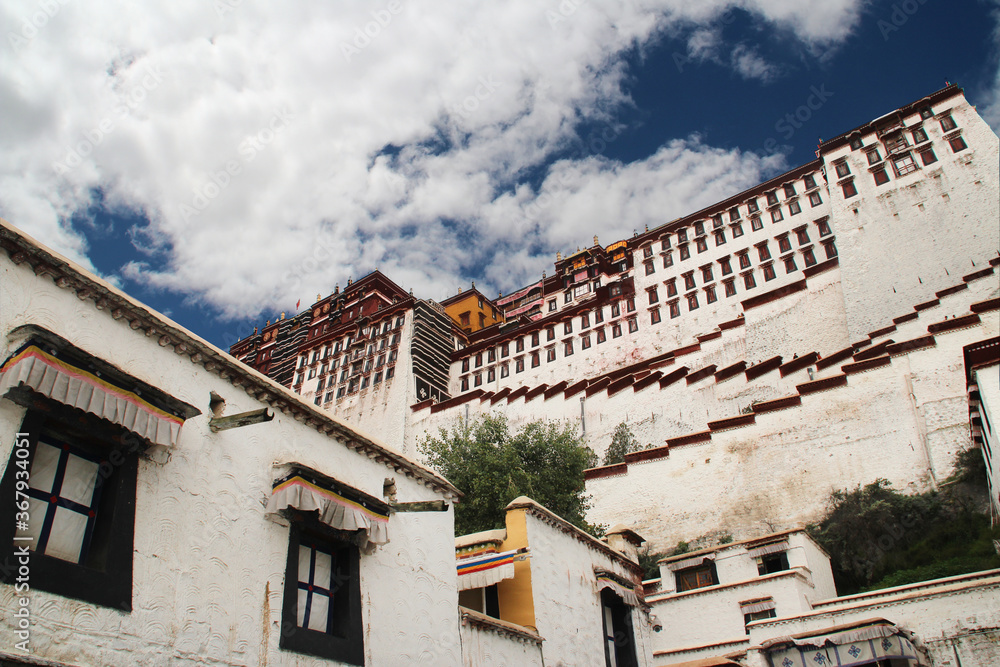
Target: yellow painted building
[{"x": 471, "y": 310}]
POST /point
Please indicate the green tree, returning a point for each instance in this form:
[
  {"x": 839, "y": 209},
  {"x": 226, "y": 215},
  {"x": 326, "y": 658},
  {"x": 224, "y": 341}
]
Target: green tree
[
  {"x": 865, "y": 524},
  {"x": 492, "y": 466},
  {"x": 622, "y": 443},
  {"x": 878, "y": 537}
]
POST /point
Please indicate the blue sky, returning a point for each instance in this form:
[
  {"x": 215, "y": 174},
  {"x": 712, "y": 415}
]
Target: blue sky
[{"x": 221, "y": 161}]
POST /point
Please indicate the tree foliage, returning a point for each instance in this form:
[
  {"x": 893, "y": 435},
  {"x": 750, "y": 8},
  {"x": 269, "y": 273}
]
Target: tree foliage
[
  {"x": 492, "y": 466},
  {"x": 879, "y": 537},
  {"x": 622, "y": 442}
]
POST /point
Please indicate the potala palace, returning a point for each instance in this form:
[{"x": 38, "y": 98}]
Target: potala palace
[{"x": 170, "y": 503}]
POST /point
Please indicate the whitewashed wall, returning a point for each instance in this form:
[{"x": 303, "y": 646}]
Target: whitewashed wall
[
  {"x": 567, "y": 600},
  {"x": 208, "y": 566},
  {"x": 988, "y": 381},
  {"x": 903, "y": 422},
  {"x": 482, "y": 648},
  {"x": 694, "y": 619},
  {"x": 902, "y": 241}
]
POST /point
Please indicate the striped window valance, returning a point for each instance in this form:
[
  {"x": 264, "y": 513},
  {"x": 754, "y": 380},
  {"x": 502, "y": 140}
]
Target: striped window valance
[
  {"x": 754, "y": 606},
  {"x": 337, "y": 505},
  {"x": 774, "y": 548},
  {"x": 689, "y": 562},
  {"x": 487, "y": 569},
  {"x": 617, "y": 586},
  {"x": 64, "y": 377}
]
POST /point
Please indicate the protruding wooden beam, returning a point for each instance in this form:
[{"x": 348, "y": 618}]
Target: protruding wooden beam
[
  {"x": 217, "y": 424},
  {"x": 425, "y": 506}
]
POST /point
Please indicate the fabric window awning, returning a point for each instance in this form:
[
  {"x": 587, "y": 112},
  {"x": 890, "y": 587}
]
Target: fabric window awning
[
  {"x": 755, "y": 606},
  {"x": 689, "y": 562},
  {"x": 628, "y": 596},
  {"x": 767, "y": 549},
  {"x": 337, "y": 505},
  {"x": 858, "y": 646},
  {"x": 487, "y": 569},
  {"x": 69, "y": 384}
]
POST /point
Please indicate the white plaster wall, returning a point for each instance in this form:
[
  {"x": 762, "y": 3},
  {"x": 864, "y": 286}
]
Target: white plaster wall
[
  {"x": 812, "y": 320},
  {"x": 568, "y": 602},
  {"x": 957, "y": 618},
  {"x": 921, "y": 232},
  {"x": 485, "y": 648},
  {"x": 654, "y": 414},
  {"x": 804, "y": 552},
  {"x": 208, "y": 565},
  {"x": 713, "y": 615}
]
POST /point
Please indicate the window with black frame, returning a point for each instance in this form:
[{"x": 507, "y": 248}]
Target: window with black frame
[
  {"x": 72, "y": 473},
  {"x": 321, "y": 611},
  {"x": 81, "y": 506}
]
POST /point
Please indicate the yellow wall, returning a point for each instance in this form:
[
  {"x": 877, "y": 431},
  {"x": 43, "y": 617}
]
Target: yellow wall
[
  {"x": 516, "y": 602},
  {"x": 470, "y": 304}
]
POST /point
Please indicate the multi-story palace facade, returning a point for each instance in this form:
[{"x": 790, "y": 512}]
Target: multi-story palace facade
[{"x": 698, "y": 326}]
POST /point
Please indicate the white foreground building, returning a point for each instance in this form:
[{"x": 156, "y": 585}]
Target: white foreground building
[{"x": 153, "y": 538}]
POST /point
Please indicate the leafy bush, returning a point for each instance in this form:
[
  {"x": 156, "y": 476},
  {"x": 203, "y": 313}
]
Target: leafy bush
[{"x": 878, "y": 537}]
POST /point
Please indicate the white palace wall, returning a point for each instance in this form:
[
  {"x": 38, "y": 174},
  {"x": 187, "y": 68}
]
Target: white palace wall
[
  {"x": 903, "y": 420},
  {"x": 914, "y": 235}
]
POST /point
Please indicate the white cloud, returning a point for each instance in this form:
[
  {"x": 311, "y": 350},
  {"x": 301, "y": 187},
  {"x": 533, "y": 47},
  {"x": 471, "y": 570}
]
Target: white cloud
[
  {"x": 277, "y": 149},
  {"x": 750, "y": 65},
  {"x": 991, "y": 110}
]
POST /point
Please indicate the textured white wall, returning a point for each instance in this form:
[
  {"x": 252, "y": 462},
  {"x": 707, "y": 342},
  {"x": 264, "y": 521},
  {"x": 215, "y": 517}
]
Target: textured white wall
[
  {"x": 781, "y": 470},
  {"x": 485, "y": 647},
  {"x": 988, "y": 381},
  {"x": 902, "y": 241},
  {"x": 695, "y": 619},
  {"x": 208, "y": 566},
  {"x": 567, "y": 600}
]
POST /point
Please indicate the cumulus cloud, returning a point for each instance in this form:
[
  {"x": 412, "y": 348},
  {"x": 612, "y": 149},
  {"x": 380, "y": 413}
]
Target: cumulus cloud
[{"x": 277, "y": 149}]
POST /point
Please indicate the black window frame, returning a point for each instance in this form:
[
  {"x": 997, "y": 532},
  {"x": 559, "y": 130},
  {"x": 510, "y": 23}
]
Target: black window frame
[
  {"x": 106, "y": 577},
  {"x": 348, "y": 647}
]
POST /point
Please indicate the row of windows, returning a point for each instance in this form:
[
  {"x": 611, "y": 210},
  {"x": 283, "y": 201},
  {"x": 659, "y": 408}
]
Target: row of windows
[
  {"x": 361, "y": 366},
  {"x": 379, "y": 328},
  {"x": 735, "y": 216},
  {"x": 535, "y": 358},
  {"x": 374, "y": 346},
  {"x": 743, "y": 257},
  {"x": 355, "y": 384},
  {"x": 490, "y": 355},
  {"x": 701, "y": 244},
  {"x": 899, "y": 155},
  {"x": 749, "y": 282}
]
